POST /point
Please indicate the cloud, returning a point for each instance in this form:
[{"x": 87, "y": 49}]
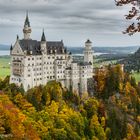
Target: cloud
[{"x": 67, "y": 18}]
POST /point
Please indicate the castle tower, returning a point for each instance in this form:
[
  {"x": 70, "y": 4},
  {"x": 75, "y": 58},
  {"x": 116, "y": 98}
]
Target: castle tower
[
  {"x": 43, "y": 43},
  {"x": 27, "y": 28},
  {"x": 88, "y": 53}
]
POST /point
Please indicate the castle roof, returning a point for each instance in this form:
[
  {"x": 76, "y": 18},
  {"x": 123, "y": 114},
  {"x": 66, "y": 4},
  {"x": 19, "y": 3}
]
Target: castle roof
[
  {"x": 85, "y": 63},
  {"x": 68, "y": 68},
  {"x": 88, "y": 41},
  {"x": 34, "y": 46}
]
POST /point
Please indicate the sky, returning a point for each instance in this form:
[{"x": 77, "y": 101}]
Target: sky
[{"x": 73, "y": 21}]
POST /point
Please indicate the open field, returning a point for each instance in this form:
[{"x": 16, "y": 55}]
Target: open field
[
  {"x": 4, "y": 66},
  {"x": 137, "y": 76},
  {"x": 99, "y": 62}
]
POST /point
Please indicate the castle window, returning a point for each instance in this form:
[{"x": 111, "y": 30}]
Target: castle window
[
  {"x": 28, "y": 75},
  {"x": 28, "y": 58},
  {"x": 32, "y": 58},
  {"x": 48, "y": 57}
]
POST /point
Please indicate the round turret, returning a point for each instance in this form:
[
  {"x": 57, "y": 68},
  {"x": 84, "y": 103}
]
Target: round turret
[
  {"x": 88, "y": 44},
  {"x": 88, "y": 53}
]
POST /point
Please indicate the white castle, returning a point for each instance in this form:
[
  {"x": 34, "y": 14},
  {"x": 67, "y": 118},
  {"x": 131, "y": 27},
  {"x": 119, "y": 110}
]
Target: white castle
[{"x": 35, "y": 63}]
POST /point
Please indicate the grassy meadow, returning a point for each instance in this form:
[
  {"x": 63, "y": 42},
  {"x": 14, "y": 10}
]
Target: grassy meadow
[
  {"x": 137, "y": 76},
  {"x": 4, "y": 66}
]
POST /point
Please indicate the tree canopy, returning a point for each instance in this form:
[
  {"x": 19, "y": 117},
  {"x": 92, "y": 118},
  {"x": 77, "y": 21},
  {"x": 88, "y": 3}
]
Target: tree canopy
[{"x": 51, "y": 112}]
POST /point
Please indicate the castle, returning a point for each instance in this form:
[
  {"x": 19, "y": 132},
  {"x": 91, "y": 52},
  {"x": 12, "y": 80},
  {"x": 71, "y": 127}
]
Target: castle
[{"x": 35, "y": 63}]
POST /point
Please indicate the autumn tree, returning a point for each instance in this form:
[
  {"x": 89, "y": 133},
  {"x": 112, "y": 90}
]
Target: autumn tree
[
  {"x": 13, "y": 123},
  {"x": 133, "y": 15},
  {"x": 118, "y": 124},
  {"x": 91, "y": 106},
  {"x": 43, "y": 95}
]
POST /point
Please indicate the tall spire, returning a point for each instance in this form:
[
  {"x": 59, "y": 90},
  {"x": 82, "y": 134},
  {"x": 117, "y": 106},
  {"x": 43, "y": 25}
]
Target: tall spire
[
  {"x": 17, "y": 37},
  {"x": 27, "y": 28},
  {"x": 27, "y": 22},
  {"x": 11, "y": 48},
  {"x": 43, "y": 38}
]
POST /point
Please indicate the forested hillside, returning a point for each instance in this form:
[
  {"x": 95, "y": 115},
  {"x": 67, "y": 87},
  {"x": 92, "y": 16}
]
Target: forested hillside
[
  {"x": 132, "y": 62},
  {"x": 51, "y": 112}
]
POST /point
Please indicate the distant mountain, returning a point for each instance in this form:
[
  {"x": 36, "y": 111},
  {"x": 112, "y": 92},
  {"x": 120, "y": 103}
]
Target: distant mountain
[
  {"x": 4, "y": 47},
  {"x": 108, "y": 50}
]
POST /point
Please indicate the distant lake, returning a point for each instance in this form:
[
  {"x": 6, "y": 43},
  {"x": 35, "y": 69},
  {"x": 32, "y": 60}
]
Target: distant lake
[
  {"x": 95, "y": 54},
  {"x": 4, "y": 52}
]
